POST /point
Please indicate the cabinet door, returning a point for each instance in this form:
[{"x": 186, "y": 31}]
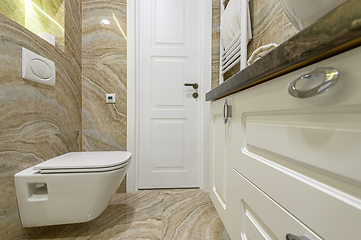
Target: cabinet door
[
  {"x": 221, "y": 167},
  {"x": 305, "y": 153}
]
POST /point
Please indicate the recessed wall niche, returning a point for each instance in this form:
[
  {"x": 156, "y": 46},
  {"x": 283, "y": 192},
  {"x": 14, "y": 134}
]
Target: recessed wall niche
[{"x": 43, "y": 17}]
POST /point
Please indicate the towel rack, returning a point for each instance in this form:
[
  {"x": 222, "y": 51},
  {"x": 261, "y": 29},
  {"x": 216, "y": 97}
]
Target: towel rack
[{"x": 236, "y": 52}]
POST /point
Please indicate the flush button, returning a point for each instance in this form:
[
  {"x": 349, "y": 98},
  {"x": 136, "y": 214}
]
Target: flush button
[
  {"x": 48, "y": 73},
  {"x": 38, "y": 67}
]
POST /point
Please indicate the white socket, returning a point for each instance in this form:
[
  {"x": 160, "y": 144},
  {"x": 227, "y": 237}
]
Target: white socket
[{"x": 110, "y": 98}]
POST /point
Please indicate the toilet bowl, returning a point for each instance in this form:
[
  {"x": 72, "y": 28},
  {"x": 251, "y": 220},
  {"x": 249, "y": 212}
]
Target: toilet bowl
[{"x": 71, "y": 188}]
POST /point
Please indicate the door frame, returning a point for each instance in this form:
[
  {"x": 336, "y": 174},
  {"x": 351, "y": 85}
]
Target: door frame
[{"x": 133, "y": 94}]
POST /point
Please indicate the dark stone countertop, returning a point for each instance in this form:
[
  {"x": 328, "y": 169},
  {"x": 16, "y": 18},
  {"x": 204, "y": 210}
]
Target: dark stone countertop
[{"x": 336, "y": 32}]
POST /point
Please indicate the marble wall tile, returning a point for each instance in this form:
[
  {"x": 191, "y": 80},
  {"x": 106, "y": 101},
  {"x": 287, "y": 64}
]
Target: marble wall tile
[
  {"x": 104, "y": 71},
  {"x": 73, "y": 33},
  {"x": 216, "y": 18},
  {"x": 38, "y": 122},
  {"x": 31, "y": 109}
]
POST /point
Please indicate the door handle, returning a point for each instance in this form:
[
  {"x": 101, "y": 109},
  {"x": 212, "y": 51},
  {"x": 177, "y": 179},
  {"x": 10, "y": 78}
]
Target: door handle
[
  {"x": 227, "y": 111},
  {"x": 194, "y": 85}
]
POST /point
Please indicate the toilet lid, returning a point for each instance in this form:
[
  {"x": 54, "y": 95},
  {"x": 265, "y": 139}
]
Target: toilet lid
[{"x": 85, "y": 162}]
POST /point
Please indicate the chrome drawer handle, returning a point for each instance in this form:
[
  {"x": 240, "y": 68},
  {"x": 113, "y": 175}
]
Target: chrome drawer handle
[
  {"x": 225, "y": 111},
  {"x": 330, "y": 80},
  {"x": 293, "y": 237}
]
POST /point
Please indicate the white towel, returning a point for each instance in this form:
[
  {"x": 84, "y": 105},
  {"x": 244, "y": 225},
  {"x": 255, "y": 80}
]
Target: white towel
[
  {"x": 260, "y": 52},
  {"x": 231, "y": 22}
]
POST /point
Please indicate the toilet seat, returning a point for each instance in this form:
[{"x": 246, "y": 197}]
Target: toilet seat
[{"x": 84, "y": 162}]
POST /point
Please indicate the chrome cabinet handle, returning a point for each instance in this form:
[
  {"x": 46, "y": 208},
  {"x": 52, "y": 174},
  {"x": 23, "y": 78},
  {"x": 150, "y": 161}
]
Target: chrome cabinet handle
[
  {"x": 194, "y": 85},
  {"x": 226, "y": 111},
  {"x": 293, "y": 237},
  {"x": 330, "y": 80}
]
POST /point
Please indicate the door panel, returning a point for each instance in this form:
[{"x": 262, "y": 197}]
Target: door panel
[
  {"x": 167, "y": 86},
  {"x": 169, "y": 53},
  {"x": 169, "y": 21}
]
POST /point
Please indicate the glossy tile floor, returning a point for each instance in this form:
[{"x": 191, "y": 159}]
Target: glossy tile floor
[{"x": 149, "y": 214}]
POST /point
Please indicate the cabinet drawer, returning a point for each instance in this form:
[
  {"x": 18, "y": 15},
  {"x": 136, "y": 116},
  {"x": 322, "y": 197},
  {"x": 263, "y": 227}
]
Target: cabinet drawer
[
  {"x": 257, "y": 216},
  {"x": 305, "y": 153}
]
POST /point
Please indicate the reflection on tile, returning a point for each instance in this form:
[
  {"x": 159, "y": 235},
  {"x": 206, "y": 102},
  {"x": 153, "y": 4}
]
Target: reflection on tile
[
  {"x": 267, "y": 24},
  {"x": 38, "y": 16},
  {"x": 149, "y": 214},
  {"x": 289, "y": 29},
  {"x": 14, "y": 9},
  {"x": 46, "y": 17}
]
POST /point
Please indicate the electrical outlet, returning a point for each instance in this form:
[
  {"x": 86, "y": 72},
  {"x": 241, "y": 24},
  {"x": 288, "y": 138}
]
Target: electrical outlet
[{"x": 110, "y": 98}]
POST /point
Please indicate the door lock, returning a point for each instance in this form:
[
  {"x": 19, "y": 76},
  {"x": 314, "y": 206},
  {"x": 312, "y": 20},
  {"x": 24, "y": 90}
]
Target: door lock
[{"x": 195, "y": 95}]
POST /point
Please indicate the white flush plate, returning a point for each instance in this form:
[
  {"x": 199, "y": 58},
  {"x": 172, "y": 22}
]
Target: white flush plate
[{"x": 37, "y": 68}]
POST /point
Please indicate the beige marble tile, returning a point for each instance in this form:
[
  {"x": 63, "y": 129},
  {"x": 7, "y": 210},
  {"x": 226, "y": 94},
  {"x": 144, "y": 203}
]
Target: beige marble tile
[
  {"x": 73, "y": 29},
  {"x": 149, "y": 214},
  {"x": 216, "y": 17},
  {"x": 104, "y": 71},
  {"x": 96, "y": 141},
  {"x": 190, "y": 214}
]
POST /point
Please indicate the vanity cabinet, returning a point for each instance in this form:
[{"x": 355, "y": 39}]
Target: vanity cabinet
[
  {"x": 296, "y": 162},
  {"x": 222, "y": 130}
]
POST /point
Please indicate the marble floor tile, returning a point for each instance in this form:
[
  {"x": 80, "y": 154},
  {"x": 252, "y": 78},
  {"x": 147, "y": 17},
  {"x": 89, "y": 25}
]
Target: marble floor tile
[{"x": 149, "y": 214}]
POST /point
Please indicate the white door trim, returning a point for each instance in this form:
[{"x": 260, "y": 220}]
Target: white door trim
[{"x": 133, "y": 89}]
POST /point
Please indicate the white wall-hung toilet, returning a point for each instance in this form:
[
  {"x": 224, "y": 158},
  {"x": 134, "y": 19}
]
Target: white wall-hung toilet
[{"x": 71, "y": 188}]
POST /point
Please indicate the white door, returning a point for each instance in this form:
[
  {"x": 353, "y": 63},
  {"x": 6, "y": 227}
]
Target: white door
[{"x": 169, "y": 53}]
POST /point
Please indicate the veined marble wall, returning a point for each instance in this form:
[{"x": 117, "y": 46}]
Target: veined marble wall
[
  {"x": 37, "y": 122},
  {"x": 216, "y": 19},
  {"x": 269, "y": 25},
  {"x": 104, "y": 71}
]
